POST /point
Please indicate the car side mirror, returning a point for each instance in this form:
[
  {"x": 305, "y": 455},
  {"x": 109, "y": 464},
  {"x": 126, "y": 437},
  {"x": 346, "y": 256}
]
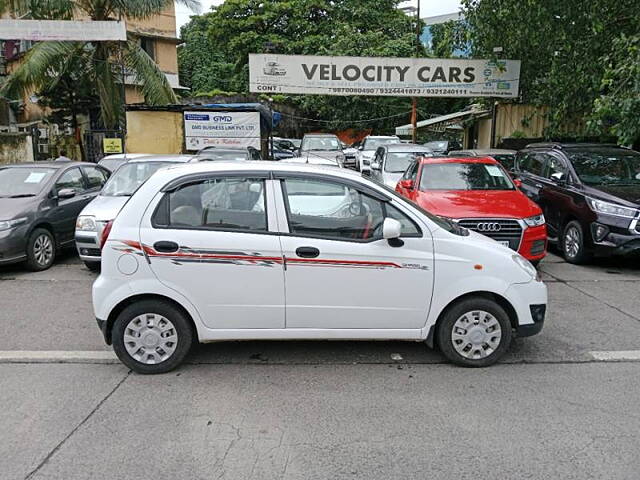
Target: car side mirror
[
  {"x": 517, "y": 182},
  {"x": 406, "y": 184},
  {"x": 361, "y": 147},
  {"x": 391, "y": 228},
  {"x": 66, "y": 193}
]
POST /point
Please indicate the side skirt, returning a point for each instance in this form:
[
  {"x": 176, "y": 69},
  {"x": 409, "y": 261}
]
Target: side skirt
[{"x": 211, "y": 335}]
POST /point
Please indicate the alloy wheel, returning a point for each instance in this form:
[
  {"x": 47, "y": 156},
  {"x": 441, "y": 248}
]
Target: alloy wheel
[
  {"x": 43, "y": 249},
  {"x": 476, "y": 334},
  {"x": 150, "y": 338},
  {"x": 572, "y": 242}
]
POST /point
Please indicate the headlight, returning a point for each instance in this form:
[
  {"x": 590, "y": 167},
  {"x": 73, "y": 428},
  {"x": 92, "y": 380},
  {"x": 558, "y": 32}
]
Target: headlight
[
  {"x": 9, "y": 224},
  {"x": 525, "y": 265},
  {"x": 86, "y": 223},
  {"x": 535, "y": 221},
  {"x": 611, "y": 208}
]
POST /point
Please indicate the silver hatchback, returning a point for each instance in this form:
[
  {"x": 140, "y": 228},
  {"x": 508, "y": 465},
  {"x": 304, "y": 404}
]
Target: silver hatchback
[{"x": 391, "y": 161}]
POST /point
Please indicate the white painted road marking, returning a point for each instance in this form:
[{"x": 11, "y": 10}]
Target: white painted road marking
[
  {"x": 617, "y": 356},
  {"x": 53, "y": 356}
]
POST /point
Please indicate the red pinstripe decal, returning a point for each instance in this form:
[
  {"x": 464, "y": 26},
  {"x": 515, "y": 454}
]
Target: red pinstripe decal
[{"x": 256, "y": 258}]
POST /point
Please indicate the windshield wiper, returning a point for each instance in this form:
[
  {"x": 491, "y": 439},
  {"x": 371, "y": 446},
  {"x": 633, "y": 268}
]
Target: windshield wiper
[{"x": 22, "y": 195}]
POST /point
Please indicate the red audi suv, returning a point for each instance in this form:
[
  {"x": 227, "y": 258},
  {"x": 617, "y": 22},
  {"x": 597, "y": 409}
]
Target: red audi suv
[{"x": 478, "y": 194}]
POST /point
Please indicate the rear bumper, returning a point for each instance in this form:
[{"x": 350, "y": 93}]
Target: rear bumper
[{"x": 102, "y": 325}]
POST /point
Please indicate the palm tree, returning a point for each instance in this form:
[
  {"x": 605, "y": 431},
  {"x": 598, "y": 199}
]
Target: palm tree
[{"x": 46, "y": 62}]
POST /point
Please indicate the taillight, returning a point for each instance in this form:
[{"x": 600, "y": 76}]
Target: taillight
[{"x": 105, "y": 233}]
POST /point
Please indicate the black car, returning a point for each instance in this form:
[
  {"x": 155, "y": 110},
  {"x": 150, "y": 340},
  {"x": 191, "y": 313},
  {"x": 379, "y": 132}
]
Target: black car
[
  {"x": 590, "y": 195},
  {"x": 39, "y": 204}
]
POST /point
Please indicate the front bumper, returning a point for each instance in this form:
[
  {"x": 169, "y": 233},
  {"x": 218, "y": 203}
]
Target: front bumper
[
  {"x": 88, "y": 246},
  {"x": 534, "y": 243},
  {"x": 529, "y": 300},
  {"x": 13, "y": 244}
]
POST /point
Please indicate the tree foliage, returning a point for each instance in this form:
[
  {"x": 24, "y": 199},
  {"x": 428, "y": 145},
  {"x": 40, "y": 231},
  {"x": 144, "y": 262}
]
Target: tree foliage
[
  {"x": 565, "y": 48},
  {"x": 45, "y": 63},
  {"x": 217, "y": 46}
]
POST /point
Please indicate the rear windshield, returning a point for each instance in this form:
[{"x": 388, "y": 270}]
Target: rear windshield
[
  {"x": 464, "y": 176},
  {"x": 398, "y": 162},
  {"x": 507, "y": 160},
  {"x": 128, "y": 178},
  {"x": 23, "y": 182},
  {"x": 213, "y": 155},
  {"x": 374, "y": 143},
  {"x": 606, "y": 166},
  {"x": 321, "y": 143}
]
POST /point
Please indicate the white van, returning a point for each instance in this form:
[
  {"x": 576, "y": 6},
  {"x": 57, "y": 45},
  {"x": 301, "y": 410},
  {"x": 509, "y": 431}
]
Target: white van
[{"x": 262, "y": 250}]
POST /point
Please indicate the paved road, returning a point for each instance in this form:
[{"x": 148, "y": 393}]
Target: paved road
[{"x": 243, "y": 410}]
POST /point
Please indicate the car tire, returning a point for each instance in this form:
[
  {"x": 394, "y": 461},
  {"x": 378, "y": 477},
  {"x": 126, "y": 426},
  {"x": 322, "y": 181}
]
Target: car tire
[
  {"x": 152, "y": 336},
  {"x": 41, "y": 250},
  {"x": 93, "y": 266},
  {"x": 475, "y": 332},
  {"x": 572, "y": 244}
]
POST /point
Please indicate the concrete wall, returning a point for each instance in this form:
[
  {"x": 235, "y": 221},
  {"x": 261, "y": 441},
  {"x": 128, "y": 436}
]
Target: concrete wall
[
  {"x": 15, "y": 148},
  {"x": 154, "y": 132}
]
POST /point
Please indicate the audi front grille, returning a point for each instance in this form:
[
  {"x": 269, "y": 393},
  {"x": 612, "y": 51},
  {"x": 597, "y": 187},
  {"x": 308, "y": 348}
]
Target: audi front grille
[{"x": 500, "y": 229}]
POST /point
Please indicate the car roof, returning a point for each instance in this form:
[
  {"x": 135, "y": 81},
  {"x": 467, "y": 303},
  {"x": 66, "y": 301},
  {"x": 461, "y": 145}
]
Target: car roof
[
  {"x": 173, "y": 158},
  {"x": 564, "y": 146},
  {"x": 381, "y": 136},
  {"x": 260, "y": 166},
  {"x": 320, "y": 135},
  {"x": 479, "y": 152},
  {"x": 54, "y": 165},
  {"x": 487, "y": 160},
  {"x": 125, "y": 156},
  {"x": 407, "y": 147}
]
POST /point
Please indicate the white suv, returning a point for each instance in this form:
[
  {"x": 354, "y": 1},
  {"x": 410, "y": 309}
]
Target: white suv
[{"x": 263, "y": 250}]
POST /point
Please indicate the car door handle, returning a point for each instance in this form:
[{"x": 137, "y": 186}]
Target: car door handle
[
  {"x": 539, "y": 185},
  {"x": 307, "y": 252},
  {"x": 166, "y": 247}
]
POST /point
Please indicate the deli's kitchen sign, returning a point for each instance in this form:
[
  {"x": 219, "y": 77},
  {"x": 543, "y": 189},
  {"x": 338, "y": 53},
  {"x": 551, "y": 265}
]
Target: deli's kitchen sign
[
  {"x": 223, "y": 129},
  {"x": 411, "y": 77}
]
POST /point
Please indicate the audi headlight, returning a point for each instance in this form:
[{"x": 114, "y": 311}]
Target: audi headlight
[
  {"x": 535, "y": 221},
  {"x": 9, "y": 224},
  {"x": 525, "y": 265},
  {"x": 86, "y": 223},
  {"x": 611, "y": 208}
]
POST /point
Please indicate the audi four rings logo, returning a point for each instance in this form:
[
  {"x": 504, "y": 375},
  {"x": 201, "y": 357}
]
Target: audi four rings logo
[{"x": 489, "y": 227}]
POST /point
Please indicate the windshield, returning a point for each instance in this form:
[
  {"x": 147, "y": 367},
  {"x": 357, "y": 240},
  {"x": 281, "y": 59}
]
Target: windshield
[
  {"x": 213, "y": 155},
  {"x": 437, "y": 146},
  {"x": 128, "y": 178},
  {"x": 443, "y": 223},
  {"x": 321, "y": 143},
  {"x": 606, "y": 166},
  {"x": 111, "y": 163},
  {"x": 373, "y": 143},
  {"x": 23, "y": 182},
  {"x": 464, "y": 176},
  {"x": 506, "y": 160},
  {"x": 398, "y": 162}
]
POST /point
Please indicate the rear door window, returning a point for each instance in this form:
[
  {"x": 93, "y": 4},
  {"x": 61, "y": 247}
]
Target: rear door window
[{"x": 229, "y": 203}]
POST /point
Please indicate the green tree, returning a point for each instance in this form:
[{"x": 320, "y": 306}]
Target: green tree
[
  {"x": 43, "y": 64},
  {"x": 617, "y": 110},
  {"x": 312, "y": 27},
  {"x": 563, "y": 47}
]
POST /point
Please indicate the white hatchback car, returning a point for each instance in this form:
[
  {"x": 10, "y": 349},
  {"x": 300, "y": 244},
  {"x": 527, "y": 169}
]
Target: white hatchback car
[{"x": 262, "y": 250}]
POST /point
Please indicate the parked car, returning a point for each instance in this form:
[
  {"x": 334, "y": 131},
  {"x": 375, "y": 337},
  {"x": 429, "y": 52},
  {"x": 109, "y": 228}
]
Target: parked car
[
  {"x": 204, "y": 252},
  {"x": 320, "y": 149},
  {"x": 113, "y": 162},
  {"x": 478, "y": 194},
  {"x": 368, "y": 147},
  {"x": 350, "y": 154},
  {"x": 590, "y": 195},
  {"x": 95, "y": 217},
  {"x": 391, "y": 161},
  {"x": 284, "y": 144},
  {"x": 507, "y": 158},
  {"x": 39, "y": 204},
  {"x": 226, "y": 153},
  {"x": 443, "y": 147}
]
